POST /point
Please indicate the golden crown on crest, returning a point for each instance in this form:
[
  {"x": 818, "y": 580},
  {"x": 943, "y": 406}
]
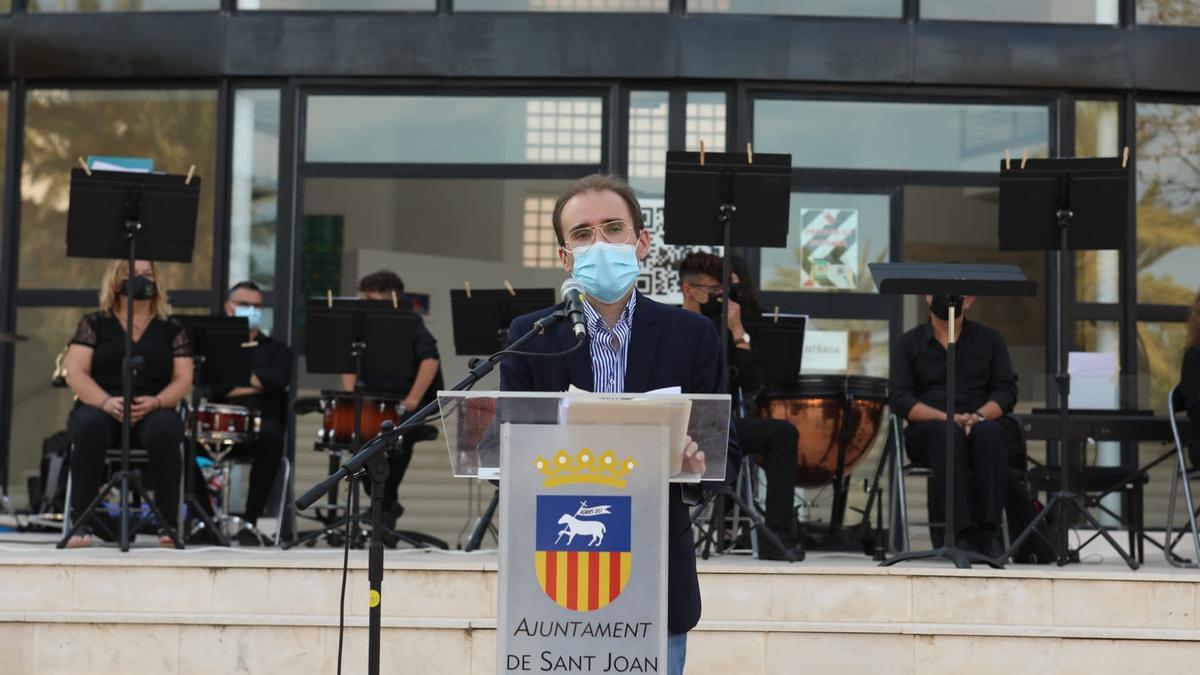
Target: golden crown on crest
[{"x": 585, "y": 467}]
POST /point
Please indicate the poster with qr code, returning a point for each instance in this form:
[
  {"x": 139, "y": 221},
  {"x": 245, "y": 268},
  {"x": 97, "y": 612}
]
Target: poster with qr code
[
  {"x": 659, "y": 278},
  {"x": 829, "y": 248}
]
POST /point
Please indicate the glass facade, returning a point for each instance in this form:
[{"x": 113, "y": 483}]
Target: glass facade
[
  {"x": 339, "y": 5},
  {"x": 254, "y": 187},
  {"x": 1097, "y": 130},
  {"x": 1036, "y": 11},
  {"x": 659, "y": 6},
  {"x": 454, "y": 129},
  {"x": 899, "y": 136},
  {"x": 174, "y": 128},
  {"x": 850, "y": 8},
  {"x": 1169, "y": 12},
  {"x": 122, "y": 5},
  {"x": 1168, "y": 202}
]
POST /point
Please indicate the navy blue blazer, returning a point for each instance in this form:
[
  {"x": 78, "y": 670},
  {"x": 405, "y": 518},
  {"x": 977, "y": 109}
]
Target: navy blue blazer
[{"x": 669, "y": 347}]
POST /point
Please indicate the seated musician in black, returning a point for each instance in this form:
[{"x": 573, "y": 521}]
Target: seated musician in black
[
  {"x": 94, "y": 360},
  {"x": 413, "y": 390},
  {"x": 774, "y": 440},
  {"x": 1189, "y": 381},
  {"x": 271, "y": 373},
  {"x": 985, "y": 391}
]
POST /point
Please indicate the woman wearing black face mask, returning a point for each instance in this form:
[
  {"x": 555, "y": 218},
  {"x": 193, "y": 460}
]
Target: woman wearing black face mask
[{"x": 94, "y": 373}]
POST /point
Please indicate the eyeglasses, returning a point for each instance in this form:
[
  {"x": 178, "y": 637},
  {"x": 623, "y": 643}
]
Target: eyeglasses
[
  {"x": 708, "y": 288},
  {"x": 259, "y": 305},
  {"x": 613, "y": 232}
]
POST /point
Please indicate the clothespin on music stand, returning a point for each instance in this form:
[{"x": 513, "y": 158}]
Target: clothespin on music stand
[
  {"x": 395, "y": 300},
  {"x": 467, "y": 286},
  {"x": 86, "y": 169},
  {"x": 511, "y": 291},
  {"x": 1024, "y": 157},
  {"x": 776, "y": 313},
  {"x": 701, "y": 152},
  {"x": 191, "y": 172},
  {"x": 329, "y": 297},
  {"x": 1007, "y": 160},
  {"x": 250, "y": 345},
  {"x": 1125, "y": 158},
  {"x": 749, "y": 153}
]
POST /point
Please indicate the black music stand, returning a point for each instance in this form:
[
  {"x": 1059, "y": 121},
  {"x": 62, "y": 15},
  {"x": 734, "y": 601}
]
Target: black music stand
[
  {"x": 114, "y": 215},
  {"x": 482, "y": 317},
  {"x": 952, "y": 281},
  {"x": 703, "y": 191},
  {"x": 1064, "y": 205},
  {"x": 221, "y": 360},
  {"x": 780, "y": 343},
  {"x": 350, "y": 335}
]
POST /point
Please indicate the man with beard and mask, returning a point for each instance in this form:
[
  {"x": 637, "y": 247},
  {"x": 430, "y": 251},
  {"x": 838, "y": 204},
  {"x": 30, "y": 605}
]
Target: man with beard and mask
[
  {"x": 271, "y": 373},
  {"x": 634, "y": 345},
  {"x": 985, "y": 390},
  {"x": 773, "y": 440}
]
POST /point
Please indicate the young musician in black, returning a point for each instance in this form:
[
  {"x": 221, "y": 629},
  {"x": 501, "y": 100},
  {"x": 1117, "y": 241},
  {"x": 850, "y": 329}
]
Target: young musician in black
[
  {"x": 414, "y": 390},
  {"x": 271, "y": 373},
  {"x": 1189, "y": 380}
]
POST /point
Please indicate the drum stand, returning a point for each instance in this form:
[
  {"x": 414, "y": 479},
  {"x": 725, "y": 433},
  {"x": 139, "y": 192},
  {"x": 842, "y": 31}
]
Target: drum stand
[{"x": 190, "y": 504}]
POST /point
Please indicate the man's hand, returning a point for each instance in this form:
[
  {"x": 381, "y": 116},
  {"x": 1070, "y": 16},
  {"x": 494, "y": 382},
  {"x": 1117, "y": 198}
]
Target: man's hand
[
  {"x": 411, "y": 404},
  {"x": 114, "y": 406},
  {"x": 142, "y": 406},
  {"x": 693, "y": 457},
  {"x": 966, "y": 421},
  {"x": 256, "y": 383},
  {"x": 734, "y": 311}
]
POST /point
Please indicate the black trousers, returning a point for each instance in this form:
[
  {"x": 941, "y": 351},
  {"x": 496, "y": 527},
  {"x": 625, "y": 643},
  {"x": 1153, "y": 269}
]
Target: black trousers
[
  {"x": 267, "y": 452},
  {"x": 980, "y": 469},
  {"x": 93, "y": 432},
  {"x": 775, "y": 441}
]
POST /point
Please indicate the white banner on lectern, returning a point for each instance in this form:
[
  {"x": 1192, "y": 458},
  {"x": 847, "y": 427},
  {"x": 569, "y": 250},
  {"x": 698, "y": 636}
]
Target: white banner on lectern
[{"x": 583, "y": 557}]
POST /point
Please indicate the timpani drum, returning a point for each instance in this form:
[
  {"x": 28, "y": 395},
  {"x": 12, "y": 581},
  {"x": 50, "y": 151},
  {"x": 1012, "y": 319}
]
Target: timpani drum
[{"x": 838, "y": 417}]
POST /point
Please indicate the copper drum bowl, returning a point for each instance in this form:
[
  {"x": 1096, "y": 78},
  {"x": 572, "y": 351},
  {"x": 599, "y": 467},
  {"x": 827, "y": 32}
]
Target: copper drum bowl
[{"x": 828, "y": 410}]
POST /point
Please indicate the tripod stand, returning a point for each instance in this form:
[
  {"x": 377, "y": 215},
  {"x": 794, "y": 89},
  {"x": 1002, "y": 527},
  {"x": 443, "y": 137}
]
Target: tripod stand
[
  {"x": 145, "y": 206},
  {"x": 1091, "y": 192}
]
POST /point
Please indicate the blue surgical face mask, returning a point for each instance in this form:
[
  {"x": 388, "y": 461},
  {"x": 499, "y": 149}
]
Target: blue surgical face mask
[
  {"x": 253, "y": 315},
  {"x": 606, "y": 270}
]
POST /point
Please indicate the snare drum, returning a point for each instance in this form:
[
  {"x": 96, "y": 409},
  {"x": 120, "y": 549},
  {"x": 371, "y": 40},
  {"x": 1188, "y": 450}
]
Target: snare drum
[
  {"x": 838, "y": 417},
  {"x": 224, "y": 423},
  {"x": 337, "y": 427}
]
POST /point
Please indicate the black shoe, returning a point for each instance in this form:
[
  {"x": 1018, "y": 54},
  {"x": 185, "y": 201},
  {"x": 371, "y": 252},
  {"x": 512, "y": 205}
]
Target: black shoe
[
  {"x": 248, "y": 536},
  {"x": 392, "y": 513},
  {"x": 965, "y": 542},
  {"x": 202, "y": 536},
  {"x": 769, "y": 551},
  {"x": 990, "y": 544}
]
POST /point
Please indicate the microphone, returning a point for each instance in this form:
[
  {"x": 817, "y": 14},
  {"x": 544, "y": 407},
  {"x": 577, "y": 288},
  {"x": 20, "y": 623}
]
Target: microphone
[{"x": 572, "y": 293}]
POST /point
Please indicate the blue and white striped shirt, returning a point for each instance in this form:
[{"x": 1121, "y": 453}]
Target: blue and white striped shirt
[{"x": 609, "y": 347}]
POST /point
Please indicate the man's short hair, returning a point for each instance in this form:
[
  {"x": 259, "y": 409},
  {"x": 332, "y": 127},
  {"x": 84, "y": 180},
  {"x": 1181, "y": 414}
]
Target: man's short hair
[
  {"x": 598, "y": 182},
  {"x": 382, "y": 281},
  {"x": 697, "y": 263},
  {"x": 248, "y": 285}
]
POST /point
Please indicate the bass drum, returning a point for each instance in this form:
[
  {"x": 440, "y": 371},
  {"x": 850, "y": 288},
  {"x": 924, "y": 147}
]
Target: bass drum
[{"x": 838, "y": 417}]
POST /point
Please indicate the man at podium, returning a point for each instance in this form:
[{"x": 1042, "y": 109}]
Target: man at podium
[
  {"x": 634, "y": 345},
  {"x": 985, "y": 391}
]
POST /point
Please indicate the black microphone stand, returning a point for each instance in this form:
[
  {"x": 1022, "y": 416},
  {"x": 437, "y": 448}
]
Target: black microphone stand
[{"x": 372, "y": 456}]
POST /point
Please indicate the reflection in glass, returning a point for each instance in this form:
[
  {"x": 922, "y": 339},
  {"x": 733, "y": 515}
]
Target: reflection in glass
[
  {"x": 705, "y": 121},
  {"x": 39, "y": 409},
  {"x": 254, "y": 186},
  {"x": 955, "y": 224},
  {"x": 1169, "y": 12},
  {"x": 1037, "y": 11},
  {"x": 435, "y": 233},
  {"x": 560, "y": 6},
  {"x": 1168, "y": 203},
  {"x": 175, "y": 128},
  {"x": 860, "y": 8},
  {"x": 454, "y": 129},
  {"x": 866, "y": 341},
  {"x": 1097, "y": 133},
  {"x": 122, "y": 5},
  {"x": 338, "y": 5},
  {"x": 1160, "y": 348},
  {"x": 648, "y": 119},
  {"x": 831, "y": 238},
  {"x": 912, "y": 136}
]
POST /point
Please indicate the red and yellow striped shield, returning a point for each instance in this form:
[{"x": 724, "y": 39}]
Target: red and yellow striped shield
[{"x": 582, "y": 581}]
